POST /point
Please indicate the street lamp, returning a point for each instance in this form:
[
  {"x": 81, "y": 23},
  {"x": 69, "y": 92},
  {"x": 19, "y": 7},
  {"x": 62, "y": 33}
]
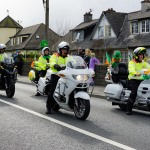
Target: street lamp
[{"x": 46, "y": 7}]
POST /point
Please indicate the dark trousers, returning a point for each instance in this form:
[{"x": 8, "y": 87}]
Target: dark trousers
[
  {"x": 39, "y": 74},
  {"x": 133, "y": 86},
  {"x": 53, "y": 83}
]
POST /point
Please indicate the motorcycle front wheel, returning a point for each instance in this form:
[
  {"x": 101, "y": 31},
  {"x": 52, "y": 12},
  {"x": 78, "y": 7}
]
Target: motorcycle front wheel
[
  {"x": 81, "y": 108},
  {"x": 10, "y": 90}
]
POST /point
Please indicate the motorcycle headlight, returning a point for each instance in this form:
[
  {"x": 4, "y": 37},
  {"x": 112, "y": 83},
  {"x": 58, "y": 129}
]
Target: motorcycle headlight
[{"x": 81, "y": 77}]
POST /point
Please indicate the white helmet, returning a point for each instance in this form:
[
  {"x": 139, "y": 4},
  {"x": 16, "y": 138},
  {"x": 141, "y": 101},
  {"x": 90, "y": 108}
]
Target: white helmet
[
  {"x": 63, "y": 45},
  {"x": 2, "y": 46},
  {"x": 45, "y": 48}
]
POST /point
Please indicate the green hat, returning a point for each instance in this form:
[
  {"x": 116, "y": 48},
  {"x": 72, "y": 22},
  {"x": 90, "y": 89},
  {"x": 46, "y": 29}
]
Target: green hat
[
  {"x": 117, "y": 55},
  {"x": 44, "y": 43}
]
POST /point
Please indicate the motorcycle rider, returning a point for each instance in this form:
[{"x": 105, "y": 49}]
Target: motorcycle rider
[
  {"x": 135, "y": 78},
  {"x": 56, "y": 62},
  {"x": 42, "y": 65},
  {"x": 3, "y": 55}
]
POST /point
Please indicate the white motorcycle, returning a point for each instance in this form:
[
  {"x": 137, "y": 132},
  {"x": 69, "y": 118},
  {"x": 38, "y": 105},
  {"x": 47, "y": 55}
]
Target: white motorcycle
[
  {"x": 43, "y": 83},
  {"x": 71, "y": 92},
  {"x": 118, "y": 92}
]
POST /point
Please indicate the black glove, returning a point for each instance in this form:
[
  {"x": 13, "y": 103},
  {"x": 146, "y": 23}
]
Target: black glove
[{"x": 57, "y": 67}]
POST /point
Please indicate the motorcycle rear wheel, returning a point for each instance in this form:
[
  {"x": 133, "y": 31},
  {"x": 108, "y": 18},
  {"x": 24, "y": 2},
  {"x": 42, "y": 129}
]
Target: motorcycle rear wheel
[
  {"x": 10, "y": 91},
  {"x": 81, "y": 108}
]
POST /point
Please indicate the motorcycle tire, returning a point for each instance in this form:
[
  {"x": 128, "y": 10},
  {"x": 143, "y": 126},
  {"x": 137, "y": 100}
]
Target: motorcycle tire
[
  {"x": 10, "y": 91},
  {"x": 81, "y": 108},
  {"x": 123, "y": 107}
]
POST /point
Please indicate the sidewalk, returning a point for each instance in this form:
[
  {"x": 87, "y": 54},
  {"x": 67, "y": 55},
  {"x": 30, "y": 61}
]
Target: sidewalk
[{"x": 97, "y": 92}]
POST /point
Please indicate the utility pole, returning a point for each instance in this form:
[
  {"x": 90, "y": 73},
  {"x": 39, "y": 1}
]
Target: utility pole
[
  {"x": 46, "y": 6},
  {"x": 47, "y": 19}
]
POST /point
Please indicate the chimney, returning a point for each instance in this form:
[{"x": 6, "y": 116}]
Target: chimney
[
  {"x": 145, "y": 5},
  {"x": 110, "y": 10},
  {"x": 88, "y": 16}
]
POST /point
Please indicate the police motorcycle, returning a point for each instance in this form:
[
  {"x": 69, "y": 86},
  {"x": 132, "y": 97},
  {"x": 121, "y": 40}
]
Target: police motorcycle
[
  {"x": 43, "y": 83},
  {"x": 118, "y": 93},
  {"x": 71, "y": 92},
  {"x": 8, "y": 76}
]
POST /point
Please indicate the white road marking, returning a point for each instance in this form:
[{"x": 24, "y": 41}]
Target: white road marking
[{"x": 71, "y": 127}]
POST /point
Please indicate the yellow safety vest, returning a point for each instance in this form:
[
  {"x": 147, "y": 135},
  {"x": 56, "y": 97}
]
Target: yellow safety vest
[
  {"x": 41, "y": 63},
  {"x": 135, "y": 68},
  {"x": 57, "y": 59}
]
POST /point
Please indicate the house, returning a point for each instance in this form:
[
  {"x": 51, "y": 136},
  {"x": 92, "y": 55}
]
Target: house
[
  {"x": 80, "y": 35},
  {"x": 8, "y": 28},
  {"x": 136, "y": 30},
  {"x": 106, "y": 32},
  {"x": 28, "y": 39},
  {"x": 113, "y": 31}
]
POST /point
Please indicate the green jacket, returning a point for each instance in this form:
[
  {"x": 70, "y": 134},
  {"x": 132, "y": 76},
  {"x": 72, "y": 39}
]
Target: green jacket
[{"x": 135, "y": 68}]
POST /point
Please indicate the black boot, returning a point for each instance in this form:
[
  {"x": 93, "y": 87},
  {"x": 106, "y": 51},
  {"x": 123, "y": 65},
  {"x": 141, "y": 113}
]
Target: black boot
[
  {"x": 48, "y": 111},
  {"x": 37, "y": 94},
  {"x": 129, "y": 111},
  {"x": 129, "y": 107}
]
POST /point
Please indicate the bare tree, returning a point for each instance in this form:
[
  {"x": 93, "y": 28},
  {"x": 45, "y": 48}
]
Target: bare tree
[{"x": 63, "y": 27}]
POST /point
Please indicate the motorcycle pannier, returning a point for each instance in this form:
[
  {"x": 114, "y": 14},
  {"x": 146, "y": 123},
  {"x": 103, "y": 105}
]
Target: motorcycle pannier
[{"x": 113, "y": 91}]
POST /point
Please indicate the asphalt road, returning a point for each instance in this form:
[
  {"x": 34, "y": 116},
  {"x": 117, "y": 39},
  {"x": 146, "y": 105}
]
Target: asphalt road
[{"x": 25, "y": 126}]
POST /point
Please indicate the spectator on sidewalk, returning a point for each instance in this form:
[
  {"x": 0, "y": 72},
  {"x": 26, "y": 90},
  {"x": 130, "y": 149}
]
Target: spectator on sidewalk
[
  {"x": 87, "y": 56},
  {"x": 93, "y": 62},
  {"x": 19, "y": 61},
  {"x": 80, "y": 52}
]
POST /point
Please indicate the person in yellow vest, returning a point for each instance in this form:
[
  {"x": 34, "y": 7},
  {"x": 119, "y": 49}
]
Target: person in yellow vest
[
  {"x": 135, "y": 78},
  {"x": 57, "y": 61},
  {"x": 3, "y": 55},
  {"x": 42, "y": 65}
]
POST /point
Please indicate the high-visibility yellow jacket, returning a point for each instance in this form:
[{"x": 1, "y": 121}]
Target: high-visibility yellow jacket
[
  {"x": 3, "y": 56},
  {"x": 42, "y": 63},
  {"x": 135, "y": 68},
  {"x": 57, "y": 59}
]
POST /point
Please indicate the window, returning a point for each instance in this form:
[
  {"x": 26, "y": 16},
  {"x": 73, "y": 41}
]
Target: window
[
  {"x": 124, "y": 55},
  {"x": 79, "y": 36},
  {"x": 101, "y": 31},
  {"x": 17, "y": 41},
  {"x": 134, "y": 26},
  {"x": 107, "y": 30},
  {"x": 11, "y": 41},
  {"x": 145, "y": 26},
  {"x": 23, "y": 38}
]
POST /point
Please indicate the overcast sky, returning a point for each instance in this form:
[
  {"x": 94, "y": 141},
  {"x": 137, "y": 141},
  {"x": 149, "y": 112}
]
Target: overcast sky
[{"x": 31, "y": 12}]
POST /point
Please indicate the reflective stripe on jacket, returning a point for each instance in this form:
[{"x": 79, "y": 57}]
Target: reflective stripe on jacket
[
  {"x": 41, "y": 63},
  {"x": 57, "y": 59},
  {"x": 135, "y": 68}
]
